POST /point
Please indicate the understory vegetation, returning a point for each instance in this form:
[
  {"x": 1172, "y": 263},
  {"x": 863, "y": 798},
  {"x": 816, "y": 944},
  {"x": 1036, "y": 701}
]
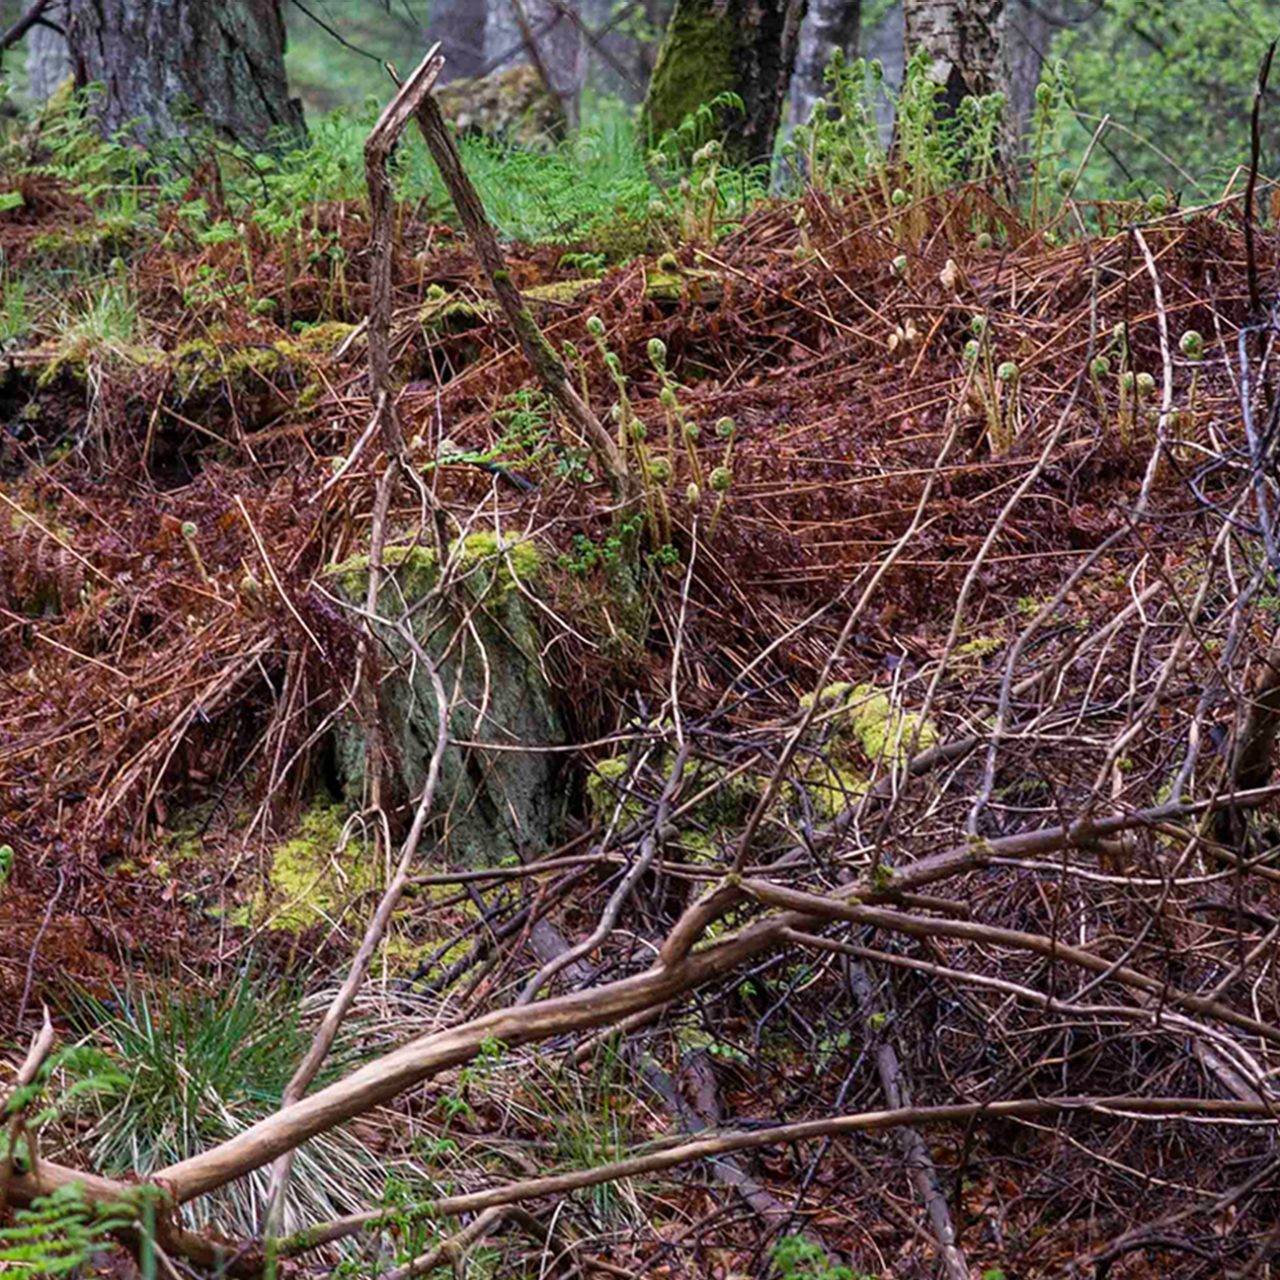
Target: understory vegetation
[{"x": 817, "y": 667}]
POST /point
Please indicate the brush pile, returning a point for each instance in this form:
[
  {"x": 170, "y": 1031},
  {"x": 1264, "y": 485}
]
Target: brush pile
[{"x": 957, "y": 548}]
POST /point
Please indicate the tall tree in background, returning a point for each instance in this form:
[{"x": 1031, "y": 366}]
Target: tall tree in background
[
  {"x": 161, "y": 60},
  {"x": 747, "y": 47},
  {"x": 965, "y": 43},
  {"x": 48, "y": 60},
  {"x": 458, "y": 26},
  {"x": 829, "y": 25},
  {"x": 543, "y": 32}
]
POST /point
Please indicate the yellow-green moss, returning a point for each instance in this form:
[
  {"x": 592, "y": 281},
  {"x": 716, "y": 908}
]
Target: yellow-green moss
[
  {"x": 316, "y": 340},
  {"x": 490, "y": 564},
  {"x": 445, "y": 312},
  {"x": 603, "y": 784},
  {"x": 695, "y": 63},
  {"x": 309, "y": 880},
  {"x": 723, "y": 810},
  {"x": 982, "y": 645},
  {"x": 831, "y": 786},
  {"x": 73, "y": 356},
  {"x": 864, "y": 715},
  {"x": 202, "y": 366},
  {"x": 559, "y": 290}
]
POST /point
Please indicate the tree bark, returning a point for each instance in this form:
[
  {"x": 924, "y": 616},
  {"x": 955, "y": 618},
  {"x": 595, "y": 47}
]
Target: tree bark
[
  {"x": 169, "y": 63},
  {"x": 1029, "y": 31},
  {"x": 48, "y": 59},
  {"x": 829, "y": 25},
  {"x": 747, "y": 47},
  {"x": 965, "y": 43}
]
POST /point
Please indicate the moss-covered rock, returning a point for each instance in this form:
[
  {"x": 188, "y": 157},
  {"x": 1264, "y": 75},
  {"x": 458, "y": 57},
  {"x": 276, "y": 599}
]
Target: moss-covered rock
[
  {"x": 511, "y": 105},
  {"x": 201, "y": 367},
  {"x": 495, "y": 804},
  {"x": 862, "y": 714}
]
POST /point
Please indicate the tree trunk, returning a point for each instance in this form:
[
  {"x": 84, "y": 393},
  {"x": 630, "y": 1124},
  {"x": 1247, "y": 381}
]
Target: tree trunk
[
  {"x": 459, "y": 26},
  {"x": 160, "y": 61},
  {"x": 747, "y": 47},
  {"x": 965, "y": 43},
  {"x": 1029, "y": 31},
  {"x": 48, "y": 59},
  {"x": 829, "y": 25}
]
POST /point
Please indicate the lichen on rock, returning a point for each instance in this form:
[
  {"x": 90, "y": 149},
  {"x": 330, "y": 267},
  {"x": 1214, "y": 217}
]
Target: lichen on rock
[{"x": 512, "y": 106}]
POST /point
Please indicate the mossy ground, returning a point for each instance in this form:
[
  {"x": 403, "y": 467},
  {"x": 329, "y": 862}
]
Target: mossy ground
[{"x": 858, "y": 726}]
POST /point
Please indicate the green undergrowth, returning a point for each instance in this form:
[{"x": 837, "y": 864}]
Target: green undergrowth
[{"x": 194, "y": 1068}]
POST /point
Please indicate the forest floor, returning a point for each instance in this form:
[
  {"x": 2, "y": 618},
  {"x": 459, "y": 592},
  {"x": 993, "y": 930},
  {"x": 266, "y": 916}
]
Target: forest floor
[{"x": 179, "y": 468}]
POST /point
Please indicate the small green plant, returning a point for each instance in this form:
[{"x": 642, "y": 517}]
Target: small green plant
[
  {"x": 799, "y": 1258},
  {"x": 995, "y": 388},
  {"x": 62, "y": 1233}
]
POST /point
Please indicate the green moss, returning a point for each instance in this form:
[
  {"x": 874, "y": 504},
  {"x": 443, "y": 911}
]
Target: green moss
[
  {"x": 621, "y": 239},
  {"x": 831, "y": 786},
  {"x": 316, "y": 339},
  {"x": 415, "y": 568},
  {"x": 864, "y": 715},
  {"x": 444, "y": 312},
  {"x": 73, "y": 358},
  {"x": 982, "y": 645},
  {"x": 723, "y": 810},
  {"x": 559, "y": 290},
  {"x": 491, "y": 567},
  {"x": 204, "y": 367},
  {"x": 310, "y": 881},
  {"x": 310, "y": 395},
  {"x": 603, "y": 786},
  {"x": 695, "y": 63}
]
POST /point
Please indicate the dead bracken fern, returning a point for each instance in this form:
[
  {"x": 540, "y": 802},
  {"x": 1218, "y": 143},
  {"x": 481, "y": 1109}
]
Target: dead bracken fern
[{"x": 985, "y": 664}]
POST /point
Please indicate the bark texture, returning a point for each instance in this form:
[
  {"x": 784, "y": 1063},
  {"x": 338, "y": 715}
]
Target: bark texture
[
  {"x": 829, "y": 25},
  {"x": 167, "y": 63},
  {"x": 965, "y": 42},
  {"x": 712, "y": 46},
  {"x": 1029, "y": 31}
]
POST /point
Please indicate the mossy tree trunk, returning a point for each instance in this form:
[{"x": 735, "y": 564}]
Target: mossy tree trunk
[
  {"x": 161, "y": 60},
  {"x": 747, "y": 47}
]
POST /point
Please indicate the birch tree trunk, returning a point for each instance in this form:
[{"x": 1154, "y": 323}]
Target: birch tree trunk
[
  {"x": 161, "y": 61},
  {"x": 747, "y": 47},
  {"x": 829, "y": 25},
  {"x": 965, "y": 43}
]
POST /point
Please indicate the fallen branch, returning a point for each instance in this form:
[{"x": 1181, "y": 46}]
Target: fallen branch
[{"x": 832, "y": 1126}]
